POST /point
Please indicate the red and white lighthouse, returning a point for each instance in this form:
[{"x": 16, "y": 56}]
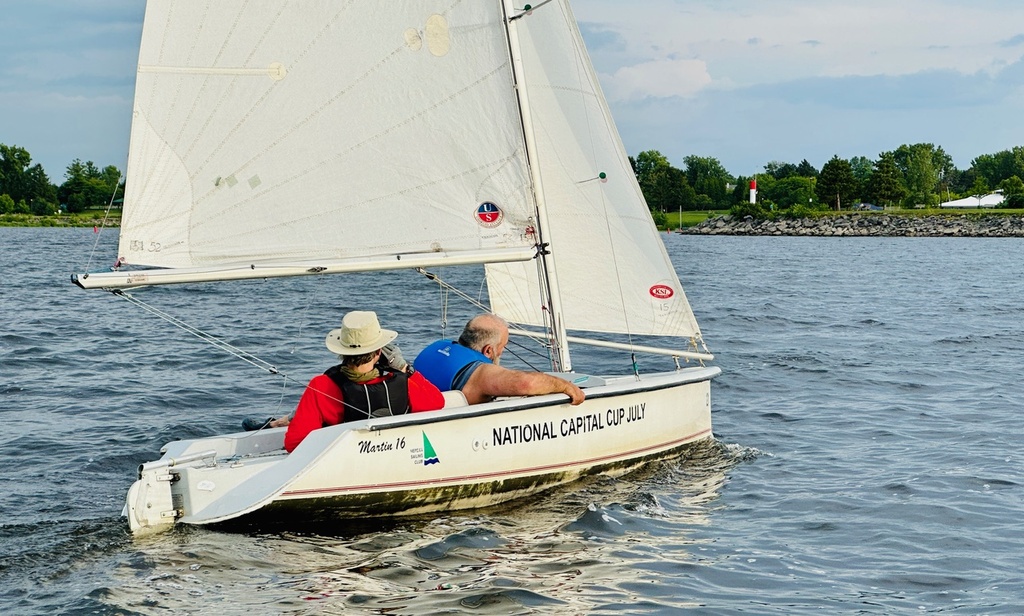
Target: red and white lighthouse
[{"x": 753, "y": 190}]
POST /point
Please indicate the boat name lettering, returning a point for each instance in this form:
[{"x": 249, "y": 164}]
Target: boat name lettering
[
  {"x": 622, "y": 415},
  {"x": 526, "y": 433},
  {"x": 570, "y": 426},
  {"x": 369, "y": 447}
]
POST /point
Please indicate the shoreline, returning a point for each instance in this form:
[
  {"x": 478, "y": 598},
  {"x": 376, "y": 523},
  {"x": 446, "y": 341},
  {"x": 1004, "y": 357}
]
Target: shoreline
[
  {"x": 866, "y": 225},
  {"x": 63, "y": 220},
  {"x": 845, "y": 225}
]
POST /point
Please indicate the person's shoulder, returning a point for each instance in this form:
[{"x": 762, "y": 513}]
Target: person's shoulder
[
  {"x": 321, "y": 382},
  {"x": 437, "y": 346}
]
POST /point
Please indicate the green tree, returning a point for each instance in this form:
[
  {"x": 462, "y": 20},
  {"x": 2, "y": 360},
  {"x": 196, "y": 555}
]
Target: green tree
[
  {"x": 806, "y": 169},
  {"x": 649, "y": 167},
  {"x": 922, "y": 165},
  {"x": 14, "y": 161},
  {"x": 1014, "y": 201},
  {"x": 746, "y": 208},
  {"x": 980, "y": 188},
  {"x": 886, "y": 184},
  {"x": 44, "y": 199},
  {"x": 673, "y": 192},
  {"x": 708, "y": 177},
  {"x": 1000, "y": 166},
  {"x": 88, "y": 186},
  {"x": 959, "y": 182},
  {"x": 28, "y": 186},
  {"x": 1012, "y": 185},
  {"x": 836, "y": 183},
  {"x": 780, "y": 170},
  {"x": 790, "y": 192},
  {"x": 665, "y": 187},
  {"x": 862, "y": 167}
]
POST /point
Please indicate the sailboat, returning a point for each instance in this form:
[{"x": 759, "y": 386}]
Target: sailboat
[{"x": 317, "y": 137}]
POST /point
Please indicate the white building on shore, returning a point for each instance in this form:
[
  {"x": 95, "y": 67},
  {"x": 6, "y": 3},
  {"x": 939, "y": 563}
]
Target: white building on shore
[{"x": 994, "y": 199}]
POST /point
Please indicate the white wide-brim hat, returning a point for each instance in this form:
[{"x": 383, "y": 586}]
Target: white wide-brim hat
[{"x": 360, "y": 333}]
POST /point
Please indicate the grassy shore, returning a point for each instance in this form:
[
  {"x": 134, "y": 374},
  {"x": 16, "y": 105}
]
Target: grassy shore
[{"x": 84, "y": 219}]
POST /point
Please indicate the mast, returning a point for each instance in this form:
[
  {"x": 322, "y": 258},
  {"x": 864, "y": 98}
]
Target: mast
[{"x": 560, "y": 359}]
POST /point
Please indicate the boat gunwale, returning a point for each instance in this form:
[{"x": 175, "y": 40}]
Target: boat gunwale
[{"x": 531, "y": 402}]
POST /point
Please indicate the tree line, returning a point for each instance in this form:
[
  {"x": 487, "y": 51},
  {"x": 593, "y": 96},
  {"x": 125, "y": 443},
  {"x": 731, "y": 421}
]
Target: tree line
[
  {"x": 918, "y": 175},
  {"x": 26, "y": 189}
]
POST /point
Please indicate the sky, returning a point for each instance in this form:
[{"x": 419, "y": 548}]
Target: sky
[{"x": 744, "y": 81}]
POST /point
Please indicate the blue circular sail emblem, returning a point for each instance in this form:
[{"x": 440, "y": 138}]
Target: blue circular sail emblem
[{"x": 489, "y": 214}]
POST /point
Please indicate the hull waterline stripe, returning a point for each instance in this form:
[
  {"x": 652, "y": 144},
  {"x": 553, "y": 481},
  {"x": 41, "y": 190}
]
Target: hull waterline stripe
[{"x": 484, "y": 476}]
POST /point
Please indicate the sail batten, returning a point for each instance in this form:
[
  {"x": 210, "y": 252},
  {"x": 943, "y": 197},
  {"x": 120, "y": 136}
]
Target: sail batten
[{"x": 689, "y": 355}]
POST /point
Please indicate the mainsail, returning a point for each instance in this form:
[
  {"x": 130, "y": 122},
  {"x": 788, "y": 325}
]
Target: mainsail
[
  {"x": 318, "y": 129},
  {"x": 323, "y": 136}
]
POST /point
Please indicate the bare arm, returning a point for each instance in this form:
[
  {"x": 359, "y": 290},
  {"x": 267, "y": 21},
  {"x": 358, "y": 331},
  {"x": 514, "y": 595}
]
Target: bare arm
[{"x": 489, "y": 381}]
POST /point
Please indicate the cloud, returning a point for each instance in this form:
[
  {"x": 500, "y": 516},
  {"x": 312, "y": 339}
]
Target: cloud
[
  {"x": 1013, "y": 41},
  {"x": 930, "y": 89},
  {"x": 666, "y": 78}
]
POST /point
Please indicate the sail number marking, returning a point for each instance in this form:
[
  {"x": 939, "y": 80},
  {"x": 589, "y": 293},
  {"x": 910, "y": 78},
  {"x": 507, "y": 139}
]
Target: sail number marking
[{"x": 143, "y": 246}]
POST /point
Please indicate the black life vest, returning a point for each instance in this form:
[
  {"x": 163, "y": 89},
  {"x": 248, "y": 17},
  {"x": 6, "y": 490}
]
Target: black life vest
[{"x": 383, "y": 399}]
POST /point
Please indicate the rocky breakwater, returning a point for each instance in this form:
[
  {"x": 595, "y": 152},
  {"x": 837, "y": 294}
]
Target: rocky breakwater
[{"x": 866, "y": 225}]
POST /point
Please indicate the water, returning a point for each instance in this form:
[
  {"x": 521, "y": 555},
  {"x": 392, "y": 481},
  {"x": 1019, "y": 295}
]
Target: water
[{"x": 867, "y": 460}]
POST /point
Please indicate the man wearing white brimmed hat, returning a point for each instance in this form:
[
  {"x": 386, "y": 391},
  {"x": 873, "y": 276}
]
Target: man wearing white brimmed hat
[{"x": 372, "y": 380}]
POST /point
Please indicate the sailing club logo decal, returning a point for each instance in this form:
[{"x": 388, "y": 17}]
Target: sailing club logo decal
[
  {"x": 429, "y": 455},
  {"x": 661, "y": 291},
  {"x": 489, "y": 215}
]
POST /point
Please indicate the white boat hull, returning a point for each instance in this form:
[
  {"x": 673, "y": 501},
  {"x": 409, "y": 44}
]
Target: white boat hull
[{"x": 459, "y": 458}]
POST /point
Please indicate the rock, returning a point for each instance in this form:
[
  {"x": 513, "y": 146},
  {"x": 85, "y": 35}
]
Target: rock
[{"x": 866, "y": 225}]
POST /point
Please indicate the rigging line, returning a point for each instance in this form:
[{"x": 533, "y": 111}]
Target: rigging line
[
  {"x": 103, "y": 222},
  {"x": 445, "y": 293},
  {"x": 245, "y": 356},
  {"x": 317, "y": 288},
  {"x": 447, "y": 288},
  {"x": 320, "y": 282}
]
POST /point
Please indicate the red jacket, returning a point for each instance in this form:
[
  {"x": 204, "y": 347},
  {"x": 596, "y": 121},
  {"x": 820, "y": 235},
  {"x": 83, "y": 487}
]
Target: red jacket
[{"x": 321, "y": 405}]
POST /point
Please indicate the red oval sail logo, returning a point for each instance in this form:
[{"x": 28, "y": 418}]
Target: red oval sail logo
[{"x": 661, "y": 291}]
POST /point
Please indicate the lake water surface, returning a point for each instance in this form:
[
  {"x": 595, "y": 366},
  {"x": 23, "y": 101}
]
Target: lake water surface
[{"x": 867, "y": 459}]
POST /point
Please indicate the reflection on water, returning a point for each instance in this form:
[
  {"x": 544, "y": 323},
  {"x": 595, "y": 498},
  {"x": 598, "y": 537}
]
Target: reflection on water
[
  {"x": 869, "y": 383},
  {"x": 512, "y": 559}
]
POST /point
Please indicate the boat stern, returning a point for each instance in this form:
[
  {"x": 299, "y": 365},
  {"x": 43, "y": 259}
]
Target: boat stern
[{"x": 149, "y": 505}]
